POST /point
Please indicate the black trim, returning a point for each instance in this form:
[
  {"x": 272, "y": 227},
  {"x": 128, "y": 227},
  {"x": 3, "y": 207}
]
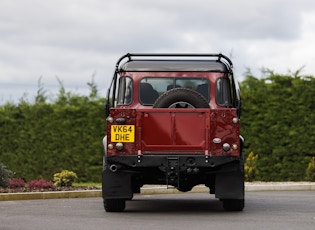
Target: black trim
[
  {"x": 161, "y": 160},
  {"x": 171, "y": 63},
  {"x": 184, "y": 56}
]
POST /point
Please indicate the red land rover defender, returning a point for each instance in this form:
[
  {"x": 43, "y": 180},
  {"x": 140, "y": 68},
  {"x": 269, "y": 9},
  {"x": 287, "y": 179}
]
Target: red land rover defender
[{"x": 173, "y": 119}]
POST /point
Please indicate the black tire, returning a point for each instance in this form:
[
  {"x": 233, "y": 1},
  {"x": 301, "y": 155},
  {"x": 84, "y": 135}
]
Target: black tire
[
  {"x": 114, "y": 205},
  {"x": 185, "y": 188},
  {"x": 233, "y": 204},
  {"x": 181, "y": 98}
]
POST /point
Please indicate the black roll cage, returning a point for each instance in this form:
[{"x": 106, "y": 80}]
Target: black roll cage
[{"x": 135, "y": 56}]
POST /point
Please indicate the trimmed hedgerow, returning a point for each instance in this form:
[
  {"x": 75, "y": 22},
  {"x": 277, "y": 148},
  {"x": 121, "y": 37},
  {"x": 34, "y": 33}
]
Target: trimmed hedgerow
[{"x": 48, "y": 136}]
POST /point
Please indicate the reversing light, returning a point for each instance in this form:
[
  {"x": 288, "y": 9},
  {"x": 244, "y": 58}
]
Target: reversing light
[
  {"x": 226, "y": 147},
  {"x": 119, "y": 146}
]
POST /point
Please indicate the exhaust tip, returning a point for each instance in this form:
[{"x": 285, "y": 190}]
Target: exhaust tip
[{"x": 114, "y": 168}]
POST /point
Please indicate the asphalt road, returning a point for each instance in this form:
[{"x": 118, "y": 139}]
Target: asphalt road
[{"x": 263, "y": 210}]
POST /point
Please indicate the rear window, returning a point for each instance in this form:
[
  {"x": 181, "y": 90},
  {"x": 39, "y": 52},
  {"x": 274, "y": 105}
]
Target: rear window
[
  {"x": 223, "y": 92},
  {"x": 151, "y": 88},
  {"x": 125, "y": 91}
]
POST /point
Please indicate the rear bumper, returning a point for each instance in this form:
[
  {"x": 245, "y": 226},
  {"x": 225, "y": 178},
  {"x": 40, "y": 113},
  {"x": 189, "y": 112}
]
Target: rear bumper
[
  {"x": 223, "y": 175},
  {"x": 145, "y": 161}
]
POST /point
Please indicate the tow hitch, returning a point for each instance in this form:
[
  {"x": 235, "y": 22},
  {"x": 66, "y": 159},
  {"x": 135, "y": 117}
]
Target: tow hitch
[{"x": 172, "y": 172}]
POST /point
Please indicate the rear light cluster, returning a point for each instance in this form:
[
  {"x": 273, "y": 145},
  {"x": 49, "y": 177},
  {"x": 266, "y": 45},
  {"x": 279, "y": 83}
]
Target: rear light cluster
[
  {"x": 119, "y": 145},
  {"x": 227, "y": 147}
]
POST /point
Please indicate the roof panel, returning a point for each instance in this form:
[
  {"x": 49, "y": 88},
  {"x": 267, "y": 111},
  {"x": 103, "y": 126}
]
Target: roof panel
[{"x": 173, "y": 65}]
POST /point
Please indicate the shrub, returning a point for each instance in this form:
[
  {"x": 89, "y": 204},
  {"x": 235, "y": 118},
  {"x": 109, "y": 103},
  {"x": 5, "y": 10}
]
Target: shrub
[
  {"x": 310, "y": 170},
  {"x": 5, "y": 175},
  {"x": 16, "y": 183},
  {"x": 65, "y": 178},
  {"x": 40, "y": 184},
  {"x": 250, "y": 167}
]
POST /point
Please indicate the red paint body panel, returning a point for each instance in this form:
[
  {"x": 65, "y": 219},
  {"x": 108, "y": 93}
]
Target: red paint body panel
[
  {"x": 180, "y": 131},
  {"x": 166, "y": 129},
  {"x": 224, "y": 128}
]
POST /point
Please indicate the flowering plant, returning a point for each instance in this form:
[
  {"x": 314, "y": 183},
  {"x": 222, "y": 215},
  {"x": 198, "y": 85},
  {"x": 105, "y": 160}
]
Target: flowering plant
[
  {"x": 16, "y": 183},
  {"x": 40, "y": 184},
  {"x": 65, "y": 178}
]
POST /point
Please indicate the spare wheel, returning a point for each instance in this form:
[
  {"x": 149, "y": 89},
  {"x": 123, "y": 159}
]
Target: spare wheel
[{"x": 181, "y": 98}]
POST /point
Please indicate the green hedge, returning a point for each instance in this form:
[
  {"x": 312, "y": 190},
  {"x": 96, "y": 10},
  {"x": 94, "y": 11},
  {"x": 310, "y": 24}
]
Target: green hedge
[
  {"x": 278, "y": 122},
  {"x": 40, "y": 139}
]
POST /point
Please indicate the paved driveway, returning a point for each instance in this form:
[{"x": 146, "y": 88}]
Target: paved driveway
[{"x": 263, "y": 210}]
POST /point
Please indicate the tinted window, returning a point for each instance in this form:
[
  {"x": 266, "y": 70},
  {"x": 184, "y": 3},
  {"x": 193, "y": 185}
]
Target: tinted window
[
  {"x": 151, "y": 88},
  {"x": 223, "y": 92},
  {"x": 124, "y": 91}
]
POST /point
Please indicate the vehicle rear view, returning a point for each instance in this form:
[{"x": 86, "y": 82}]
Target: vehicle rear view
[{"x": 173, "y": 119}]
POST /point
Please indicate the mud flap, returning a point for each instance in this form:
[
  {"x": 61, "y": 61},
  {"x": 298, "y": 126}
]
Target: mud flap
[
  {"x": 229, "y": 185},
  {"x": 116, "y": 185}
]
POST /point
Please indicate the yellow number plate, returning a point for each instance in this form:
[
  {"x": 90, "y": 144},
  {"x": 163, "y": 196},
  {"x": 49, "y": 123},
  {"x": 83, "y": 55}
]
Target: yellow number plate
[{"x": 122, "y": 133}]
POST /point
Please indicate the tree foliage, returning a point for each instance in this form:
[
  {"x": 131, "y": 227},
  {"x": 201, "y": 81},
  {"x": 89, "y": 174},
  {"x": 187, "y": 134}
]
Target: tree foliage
[{"x": 278, "y": 124}]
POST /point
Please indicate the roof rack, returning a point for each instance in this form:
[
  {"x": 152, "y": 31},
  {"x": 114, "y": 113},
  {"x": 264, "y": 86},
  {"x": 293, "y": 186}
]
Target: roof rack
[{"x": 136, "y": 56}]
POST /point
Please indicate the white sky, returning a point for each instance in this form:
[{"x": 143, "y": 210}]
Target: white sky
[{"x": 72, "y": 40}]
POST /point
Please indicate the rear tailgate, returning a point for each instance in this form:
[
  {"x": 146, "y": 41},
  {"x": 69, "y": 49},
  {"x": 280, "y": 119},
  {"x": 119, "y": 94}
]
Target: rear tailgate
[
  {"x": 169, "y": 131},
  {"x": 183, "y": 130}
]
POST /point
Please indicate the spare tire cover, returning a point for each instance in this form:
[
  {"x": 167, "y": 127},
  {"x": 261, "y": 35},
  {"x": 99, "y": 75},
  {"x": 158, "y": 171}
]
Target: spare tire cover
[{"x": 181, "y": 95}]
